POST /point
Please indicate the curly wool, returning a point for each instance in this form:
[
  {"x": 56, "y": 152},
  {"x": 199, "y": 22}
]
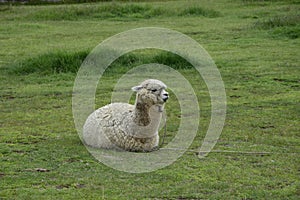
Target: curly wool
[
  {"x": 128, "y": 127},
  {"x": 110, "y": 127}
]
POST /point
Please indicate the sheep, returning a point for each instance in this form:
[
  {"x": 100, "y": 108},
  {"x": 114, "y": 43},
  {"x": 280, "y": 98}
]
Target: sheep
[{"x": 123, "y": 126}]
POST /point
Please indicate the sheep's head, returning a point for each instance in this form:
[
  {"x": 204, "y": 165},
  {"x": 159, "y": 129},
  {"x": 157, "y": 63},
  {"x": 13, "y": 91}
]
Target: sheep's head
[{"x": 151, "y": 92}]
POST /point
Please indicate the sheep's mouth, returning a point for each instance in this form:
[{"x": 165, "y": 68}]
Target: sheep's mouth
[
  {"x": 162, "y": 101},
  {"x": 165, "y": 99}
]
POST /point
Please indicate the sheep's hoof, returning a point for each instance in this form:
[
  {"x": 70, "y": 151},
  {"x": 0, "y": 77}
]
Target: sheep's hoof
[
  {"x": 145, "y": 150},
  {"x": 155, "y": 148},
  {"x": 150, "y": 150}
]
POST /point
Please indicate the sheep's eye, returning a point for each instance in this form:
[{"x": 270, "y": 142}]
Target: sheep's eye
[{"x": 154, "y": 90}]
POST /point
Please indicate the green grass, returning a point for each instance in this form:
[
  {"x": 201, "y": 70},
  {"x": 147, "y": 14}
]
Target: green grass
[
  {"x": 282, "y": 26},
  {"x": 67, "y": 62},
  {"x": 255, "y": 45},
  {"x": 198, "y": 11},
  {"x": 49, "y": 63},
  {"x": 112, "y": 11}
]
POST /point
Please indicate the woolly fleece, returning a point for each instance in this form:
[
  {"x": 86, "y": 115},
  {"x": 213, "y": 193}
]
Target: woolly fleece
[{"x": 129, "y": 127}]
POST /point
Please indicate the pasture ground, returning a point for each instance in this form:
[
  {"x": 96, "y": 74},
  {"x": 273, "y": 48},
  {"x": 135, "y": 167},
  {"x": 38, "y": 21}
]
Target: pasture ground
[{"x": 255, "y": 45}]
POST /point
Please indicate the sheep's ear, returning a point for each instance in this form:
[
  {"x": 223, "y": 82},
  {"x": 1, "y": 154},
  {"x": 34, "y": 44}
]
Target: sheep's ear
[{"x": 136, "y": 88}]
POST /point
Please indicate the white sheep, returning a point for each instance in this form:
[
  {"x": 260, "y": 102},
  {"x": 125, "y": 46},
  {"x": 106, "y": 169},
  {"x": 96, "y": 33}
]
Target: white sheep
[{"x": 129, "y": 127}]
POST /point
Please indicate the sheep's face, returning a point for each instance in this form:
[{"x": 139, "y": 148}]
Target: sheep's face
[{"x": 151, "y": 92}]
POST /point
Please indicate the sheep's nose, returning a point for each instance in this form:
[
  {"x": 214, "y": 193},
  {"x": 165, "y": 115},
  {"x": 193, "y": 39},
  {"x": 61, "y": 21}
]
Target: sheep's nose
[{"x": 165, "y": 97}]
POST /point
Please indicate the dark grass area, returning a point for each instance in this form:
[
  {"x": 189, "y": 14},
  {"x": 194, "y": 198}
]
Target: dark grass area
[
  {"x": 198, "y": 11},
  {"x": 51, "y": 2},
  {"x": 113, "y": 10},
  {"x": 281, "y": 26},
  {"x": 67, "y": 62}
]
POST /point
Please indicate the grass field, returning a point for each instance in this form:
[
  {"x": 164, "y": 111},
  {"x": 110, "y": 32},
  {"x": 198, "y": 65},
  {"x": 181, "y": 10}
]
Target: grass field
[{"x": 255, "y": 45}]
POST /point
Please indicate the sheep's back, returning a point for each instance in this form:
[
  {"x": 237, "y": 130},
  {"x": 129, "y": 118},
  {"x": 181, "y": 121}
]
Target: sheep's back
[{"x": 107, "y": 122}]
